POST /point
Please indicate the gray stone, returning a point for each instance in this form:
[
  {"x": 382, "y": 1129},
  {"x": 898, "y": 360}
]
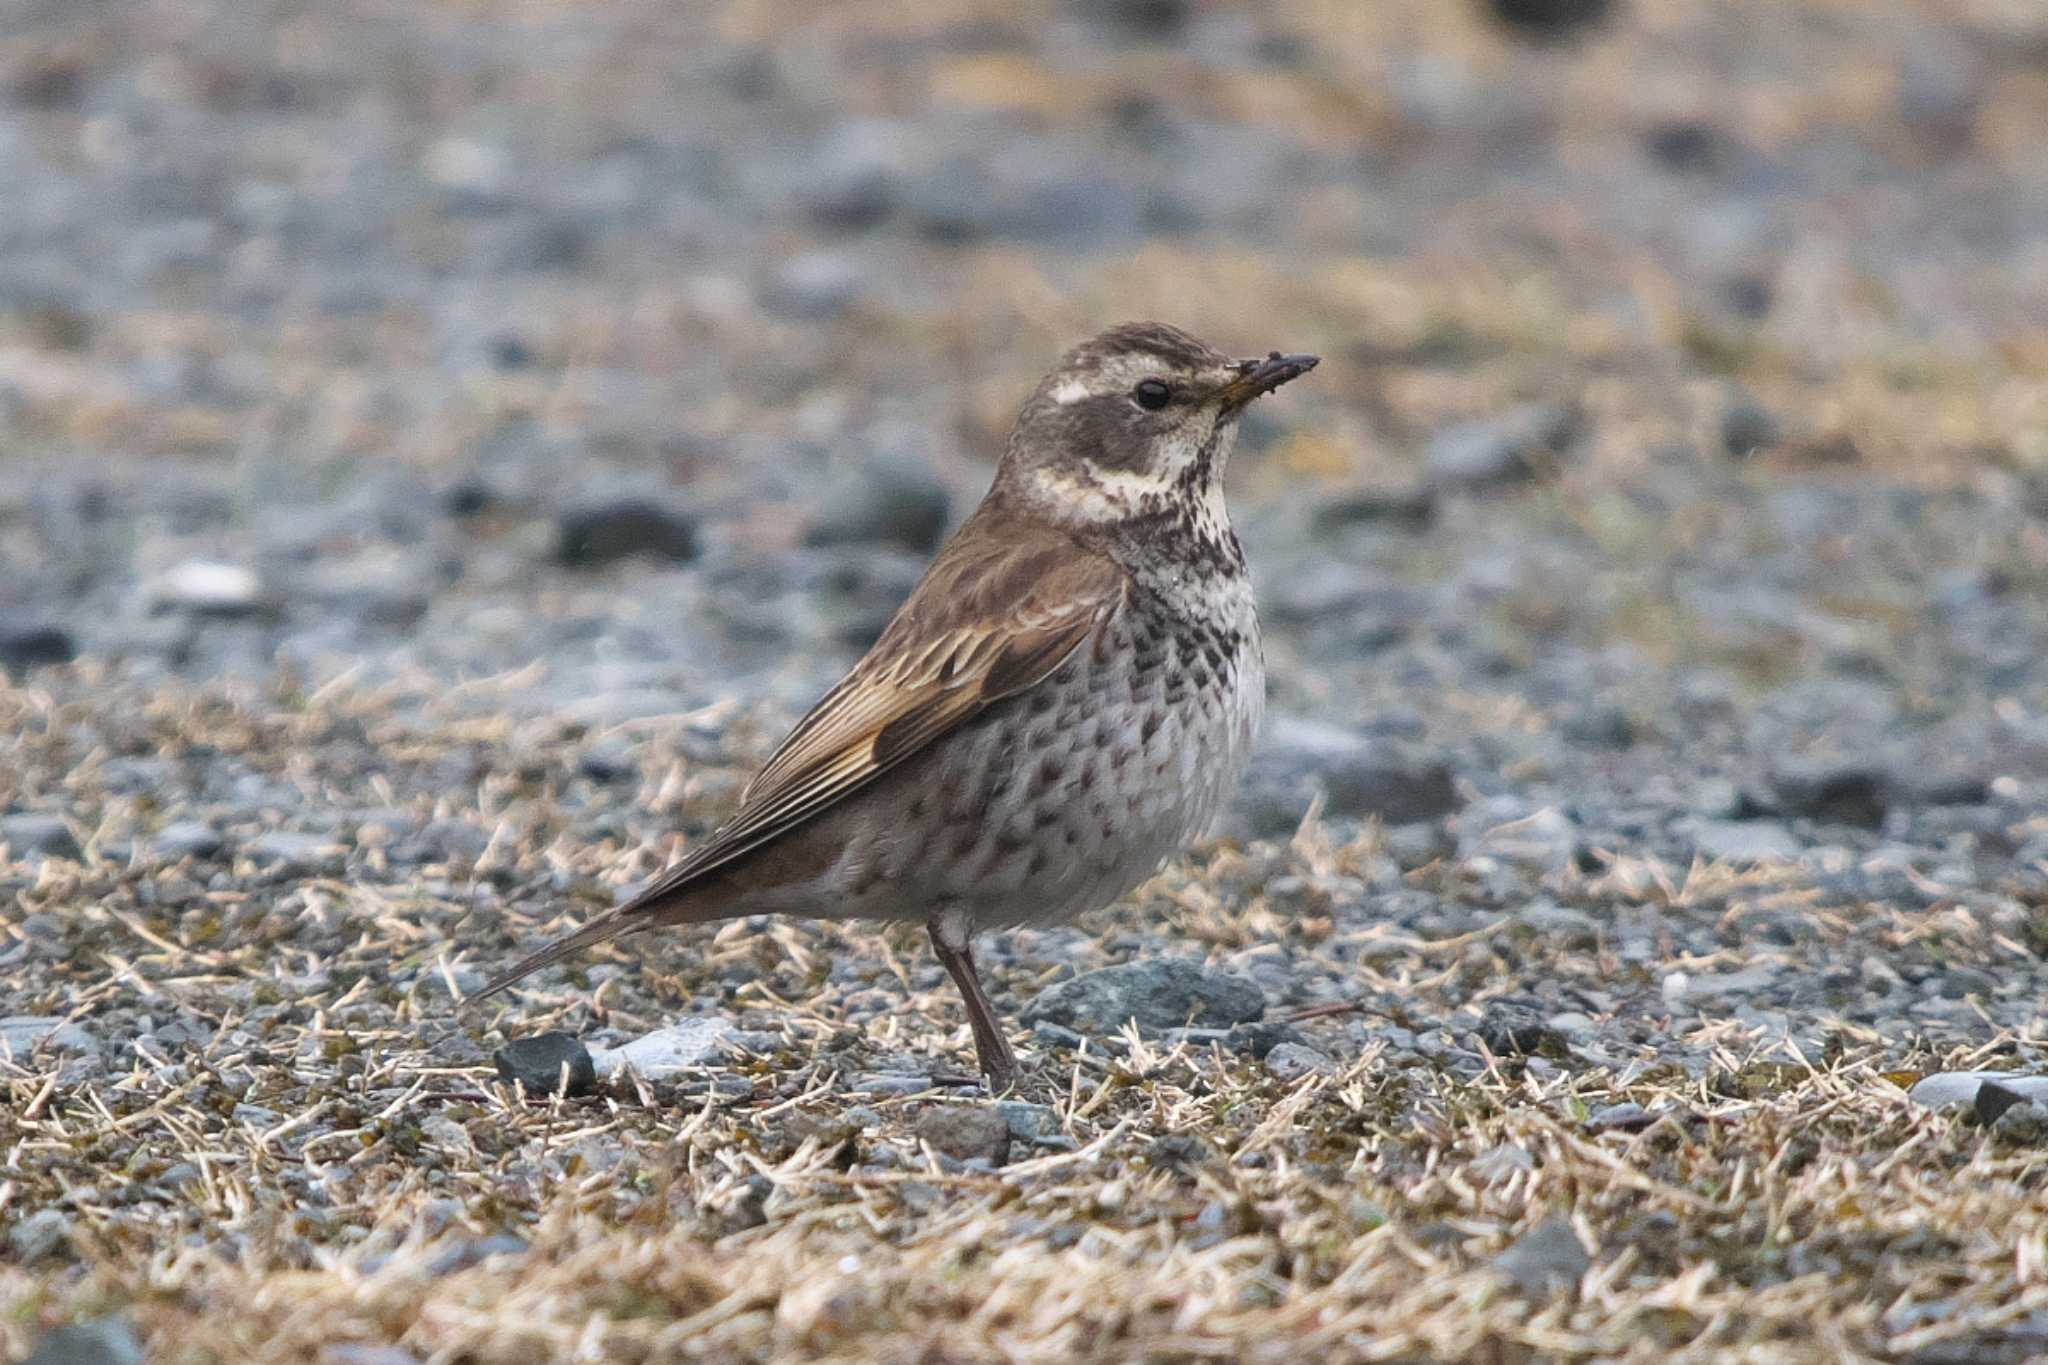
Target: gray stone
[
  {"x": 1520, "y": 444},
  {"x": 536, "y": 1065},
  {"x": 104, "y": 1341},
  {"x": 1359, "y": 777},
  {"x": 1545, "y": 838},
  {"x": 967, "y": 1132},
  {"x": 811, "y": 286},
  {"x": 1396, "y": 782},
  {"x": 598, "y": 534},
  {"x": 34, "y": 834},
  {"x": 1548, "y": 1259},
  {"x": 187, "y": 839},
  {"x": 42, "y": 1233},
  {"x": 1961, "y": 1087},
  {"x": 890, "y": 1083},
  {"x": 684, "y": 1045},
  {"x": 447, "y": 840},
  {"x": 1031, "y": 195},
  {"x": 855, "y": 181},
  {"x": 895, "y": 501},
  {"x": 1033, "y": 1123},
  {"x": 1598, "y": 725},
  {"x": 1626, "y": 1117},
  {"x": 1160, "y": 993},
  {"x": 1408, "y": 509},
  {"x": 294, "y": 850},
  {"x": 1741, "y": 841},
  {"x": 383, "y": 589},
  {"x": 22, "y": 1034},
  {"x": 1292, "y": 1061}
]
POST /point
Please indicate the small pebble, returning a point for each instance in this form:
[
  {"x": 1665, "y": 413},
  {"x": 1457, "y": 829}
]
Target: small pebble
[{"x": 536, "y": 1065}]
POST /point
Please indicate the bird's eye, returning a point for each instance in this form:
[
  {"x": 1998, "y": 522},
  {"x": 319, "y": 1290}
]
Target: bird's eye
[{"x": 1152, "y": 394}]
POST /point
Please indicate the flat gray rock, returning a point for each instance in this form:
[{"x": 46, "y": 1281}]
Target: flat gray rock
[
  {"x": 667, "y": 1052},
  {"x": 1961, "y": 1087},
  {"x": 1160, "y": 993}
]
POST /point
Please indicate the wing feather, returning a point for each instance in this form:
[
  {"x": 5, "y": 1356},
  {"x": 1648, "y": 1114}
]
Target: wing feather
[
  {"x": 998, "y": 612},
  {"x": 987, "y": 622}
]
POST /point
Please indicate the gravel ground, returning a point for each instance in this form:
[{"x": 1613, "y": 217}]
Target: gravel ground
[{"x": 441, "y": 446}]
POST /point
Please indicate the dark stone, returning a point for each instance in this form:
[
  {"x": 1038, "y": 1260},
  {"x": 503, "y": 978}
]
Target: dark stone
[
  {"x": 1685, "y": 146},
  {"x": 1748, "y": 297},
  {"x": 1598, "y": 726},
  {"x": 1993, "y": 1100},
  {"x": 604, "y": 532},
  {"x": 468, "y": 498},
  {"x": 29, "y": 644},
  {"x": 1517, "y": 1031},
  {"x": 33, "y": 834},
  {"x": 1177, "y": 1152},
  {"x": 1837, "y": 792},
  {"x": 1406, "y": 509},
  {"x": 607, "y": 761},
  {"x": 187, "y": 839},
  {"x": 508, "y": 351},
  {"x": 1520, "y": 444},
  {"x": 1549, "y": 20},
  {"x": 1397, "y": 783},
  {"x": 1939, "y": 785},
  {"x": 1147, "y": 19},
  {"x": 1748, "y": 427},
  {"x": 535, "y": 1065},
  {"x": 1260, "y": 1038},
  {"x": 1160, "y": 993},
  {"x": 967, "y": 1132}
]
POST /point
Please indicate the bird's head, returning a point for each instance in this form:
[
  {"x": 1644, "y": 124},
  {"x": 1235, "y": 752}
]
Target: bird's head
[{"x": 1135, "y": 422}]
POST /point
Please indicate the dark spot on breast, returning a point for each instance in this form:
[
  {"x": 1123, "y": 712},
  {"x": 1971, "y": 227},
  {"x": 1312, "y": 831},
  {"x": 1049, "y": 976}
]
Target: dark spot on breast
[{"x": 1050, "y": 773}]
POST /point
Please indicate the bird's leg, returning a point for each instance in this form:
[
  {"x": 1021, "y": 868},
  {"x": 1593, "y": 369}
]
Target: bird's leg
[{"x": 950, "y": 942}]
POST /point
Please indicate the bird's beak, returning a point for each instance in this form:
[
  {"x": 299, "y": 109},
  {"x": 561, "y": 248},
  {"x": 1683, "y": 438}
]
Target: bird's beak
[{"x": 1255, "y": 377}]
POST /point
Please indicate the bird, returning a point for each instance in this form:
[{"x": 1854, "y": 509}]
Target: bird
[{"x": 1062, "y": 703}]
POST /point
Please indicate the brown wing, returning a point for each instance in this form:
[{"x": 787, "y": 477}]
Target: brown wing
[{"x": 998, "y": 611}]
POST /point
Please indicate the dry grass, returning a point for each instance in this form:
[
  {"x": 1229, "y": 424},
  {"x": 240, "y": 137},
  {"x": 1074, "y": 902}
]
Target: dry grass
[{"x": 326, "y": 1164}]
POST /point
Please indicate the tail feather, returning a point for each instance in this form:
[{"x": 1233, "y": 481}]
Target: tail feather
[{"x": 608, "y": 925}]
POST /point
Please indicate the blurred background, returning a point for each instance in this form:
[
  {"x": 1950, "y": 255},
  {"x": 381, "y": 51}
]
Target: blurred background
[
  {"x": 443, "y": 443},
  {"x": 1681, "y": 442}
]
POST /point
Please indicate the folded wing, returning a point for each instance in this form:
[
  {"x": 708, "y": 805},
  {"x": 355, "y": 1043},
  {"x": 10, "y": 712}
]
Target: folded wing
[{"x": 993, "y": 616}]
